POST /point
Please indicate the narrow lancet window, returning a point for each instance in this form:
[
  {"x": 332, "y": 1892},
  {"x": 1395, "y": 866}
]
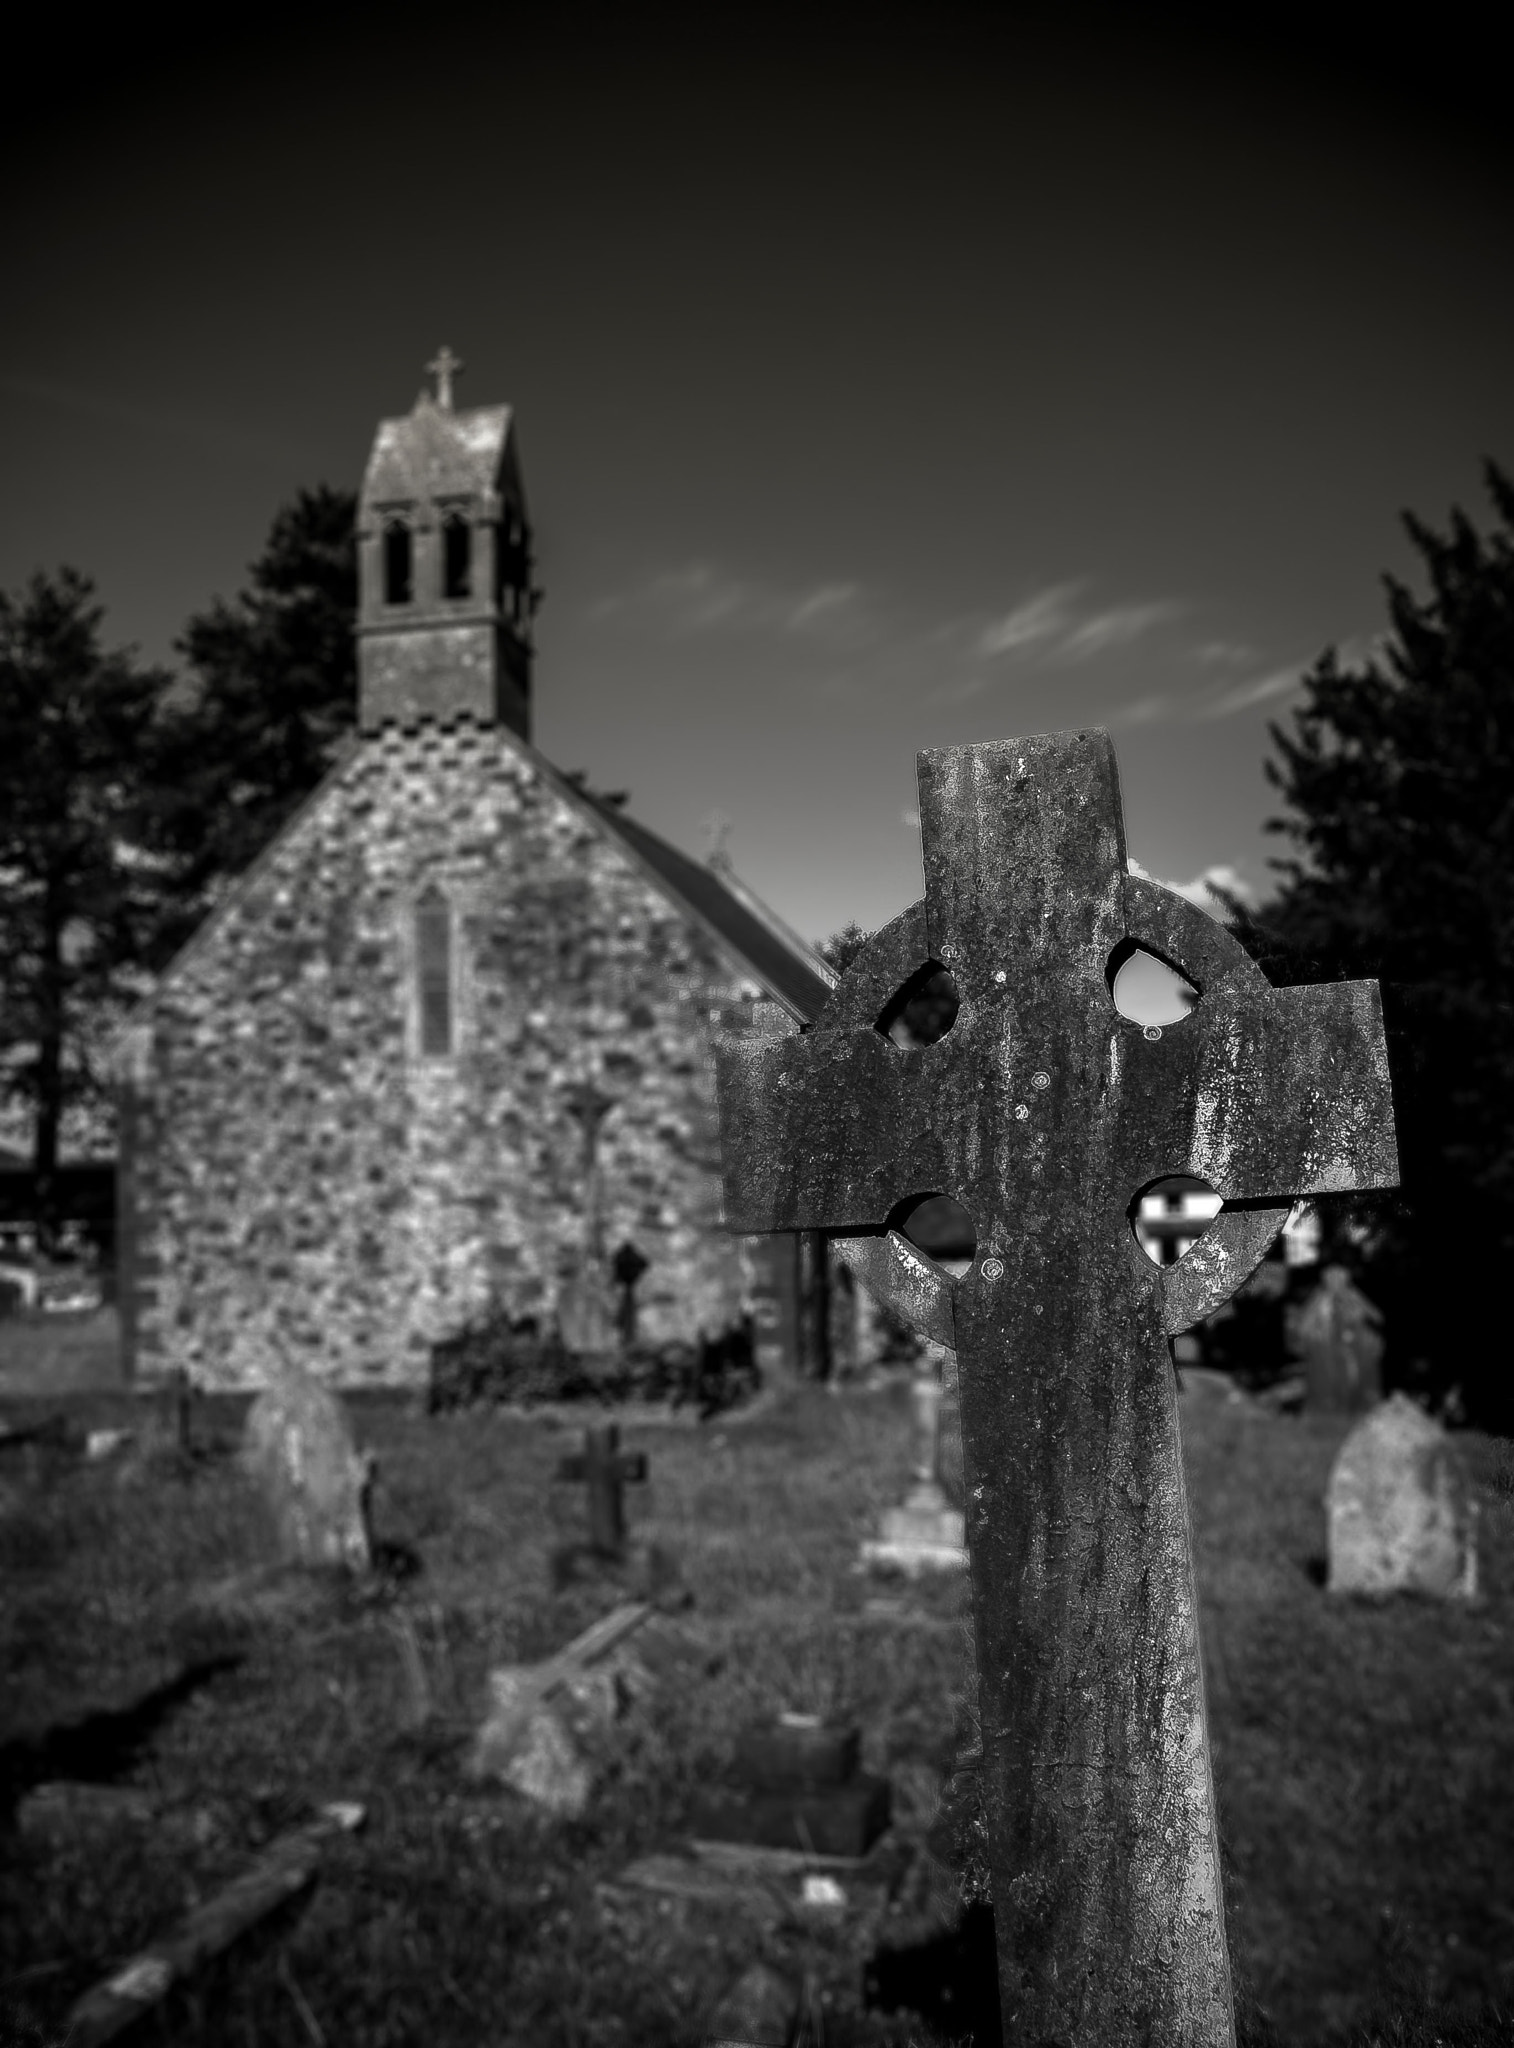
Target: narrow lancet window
[
  {"x": 433, "y": 976},
  {"x": 399, "y": 563},
  {"x": 457, "y": 556}
]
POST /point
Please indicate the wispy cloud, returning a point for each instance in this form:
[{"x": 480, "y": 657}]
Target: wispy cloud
[
  {"x": 823, "y": 603},
  {"x": 1058, "y": 628},
  {"x": 1279, "y": 682},
  {"x": 1115, "y": 628},
  {"x": 1140, "y": 711},
  {"x": 1228, "y": 653},
  {"x": 702, "y": 597},
  {"x": 957, "y": 690},
  {"x": 955, "y": 659},
  {"x": 1041, "y": 617}
]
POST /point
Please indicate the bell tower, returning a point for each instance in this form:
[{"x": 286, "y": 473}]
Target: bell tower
[{"x": 446, "y": 596}]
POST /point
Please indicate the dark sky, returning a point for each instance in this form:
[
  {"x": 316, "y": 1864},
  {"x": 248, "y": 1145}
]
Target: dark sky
[{"x": 876, "y": 387}]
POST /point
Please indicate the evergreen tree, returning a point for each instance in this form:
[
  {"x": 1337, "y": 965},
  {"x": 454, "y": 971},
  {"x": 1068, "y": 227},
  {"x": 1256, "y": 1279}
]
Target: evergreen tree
[
  {"x": 77, "y": 908},
  {"x": 1399, "y": 781},
  {"x": 842, "y": 948},
  {"x": 272, "y": 690}
]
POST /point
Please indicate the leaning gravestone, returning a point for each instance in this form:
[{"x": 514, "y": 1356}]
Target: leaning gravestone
[
  {"x": 1400, "y": 1512},
  {"x": 1340, "y": 1334},
  {"x": 298, "y": 1446},
  {"x": 1047, "y": 1115}
]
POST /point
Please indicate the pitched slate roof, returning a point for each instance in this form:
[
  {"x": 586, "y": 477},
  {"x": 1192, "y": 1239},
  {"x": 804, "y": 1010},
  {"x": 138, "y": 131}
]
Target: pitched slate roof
[
  {"x": 435, "y": 452},
  {"x": 778, "y": 957}
]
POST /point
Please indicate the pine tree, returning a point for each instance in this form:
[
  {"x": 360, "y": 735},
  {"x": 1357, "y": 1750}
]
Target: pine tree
[
  {"x": 1399, "y": 781},
  {"x": 77, "y": 907},
  {"x": 272, "y": 691}
]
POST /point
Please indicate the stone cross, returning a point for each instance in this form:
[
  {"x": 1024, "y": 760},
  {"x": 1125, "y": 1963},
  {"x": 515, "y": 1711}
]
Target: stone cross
[
  {"x": 1047, "y": 1114},
  {"x": 584, "y": 1310},
  {"x": 444, "y": 366},
  {"x": 606, "y": 1468}
]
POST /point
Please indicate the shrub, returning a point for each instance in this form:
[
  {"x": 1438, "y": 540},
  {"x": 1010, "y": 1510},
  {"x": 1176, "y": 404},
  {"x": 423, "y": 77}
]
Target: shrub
[{"x": 503, "y": 1358}]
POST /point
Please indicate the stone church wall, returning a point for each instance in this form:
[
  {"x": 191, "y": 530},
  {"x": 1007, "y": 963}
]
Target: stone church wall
[{"x": 309, "y": 1183}]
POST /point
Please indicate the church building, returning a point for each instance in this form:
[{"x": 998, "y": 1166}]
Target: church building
[{"x": 448, "y": 1043}]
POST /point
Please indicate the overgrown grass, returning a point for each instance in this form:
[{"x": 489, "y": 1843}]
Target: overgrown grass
[
  {"x": 59, "y": 1353},
  {"x": 1363, "y": 1754}
]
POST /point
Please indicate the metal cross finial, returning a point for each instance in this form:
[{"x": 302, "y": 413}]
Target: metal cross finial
[{"x": 444, "y": 366}]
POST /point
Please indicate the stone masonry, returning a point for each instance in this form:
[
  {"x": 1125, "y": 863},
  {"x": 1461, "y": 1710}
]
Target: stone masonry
[{"x": 316, "y": 1185}]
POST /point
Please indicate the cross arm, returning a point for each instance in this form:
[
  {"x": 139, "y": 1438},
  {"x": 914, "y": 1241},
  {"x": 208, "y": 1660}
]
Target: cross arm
[
  {"x": 1267, "y": 1095},
  {"x": 827, "y": 1131}
]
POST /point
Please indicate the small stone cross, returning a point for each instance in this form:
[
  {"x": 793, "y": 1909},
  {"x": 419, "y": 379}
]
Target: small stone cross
[
  {"x": 444, "y": 366},
  {"x": 1047, "y": 1114},
  {"x": 607, "y": 1469}
]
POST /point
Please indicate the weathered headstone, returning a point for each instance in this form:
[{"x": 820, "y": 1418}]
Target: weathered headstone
[
  {"x": 1047, "y": 1115},
  {"x": 1401, "y": 1515},
  {"x": 298, "y": 1445},
  {"x": 606, "y": 1470},
  {"x": 1339, "y": 1333},
  {"x": 926, "y": 1534}
]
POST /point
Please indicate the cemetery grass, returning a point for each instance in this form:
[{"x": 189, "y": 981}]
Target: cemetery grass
[{"x": 1364, "y": 1755}]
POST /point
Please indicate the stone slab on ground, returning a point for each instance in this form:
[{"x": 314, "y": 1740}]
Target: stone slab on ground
[
  {"x": 1401, "y": 1514},
  {"x": 284, "y": 1869},
  {"x": 837, "y": 1820}
]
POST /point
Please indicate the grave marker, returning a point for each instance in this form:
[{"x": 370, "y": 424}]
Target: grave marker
[
  {"x": 1340, "y": 1334},
  {"x": 298, "y": 1445},
  {"x": 926, "y": 1534},
  {"x": 1402, "y": 1516},
  {"x": 1047, "y": 1114},
  {"x": 606, "y": 1470}
]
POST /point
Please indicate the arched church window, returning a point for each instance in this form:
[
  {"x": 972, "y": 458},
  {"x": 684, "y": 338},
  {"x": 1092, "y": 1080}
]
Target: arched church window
[
  {"x": 457, "y": 556},
  {"x": 399, "y": 563},
  {"x": 433, "y": 976}
]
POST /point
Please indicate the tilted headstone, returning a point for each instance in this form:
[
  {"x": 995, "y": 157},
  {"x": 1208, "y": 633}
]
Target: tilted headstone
[
  {"x": 926, "y": 1534},
  {"x": 1401, "y": 1515},
  {"x": 1047, "y": 1114},
  {"x": 546, "y": 1725},
  {"x": 1339, "y": 1333},
  {"x": 297, "y": 1443}
]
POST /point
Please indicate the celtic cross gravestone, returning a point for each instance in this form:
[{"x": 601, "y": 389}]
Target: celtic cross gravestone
[{"x": 1048, "y": 1114}]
